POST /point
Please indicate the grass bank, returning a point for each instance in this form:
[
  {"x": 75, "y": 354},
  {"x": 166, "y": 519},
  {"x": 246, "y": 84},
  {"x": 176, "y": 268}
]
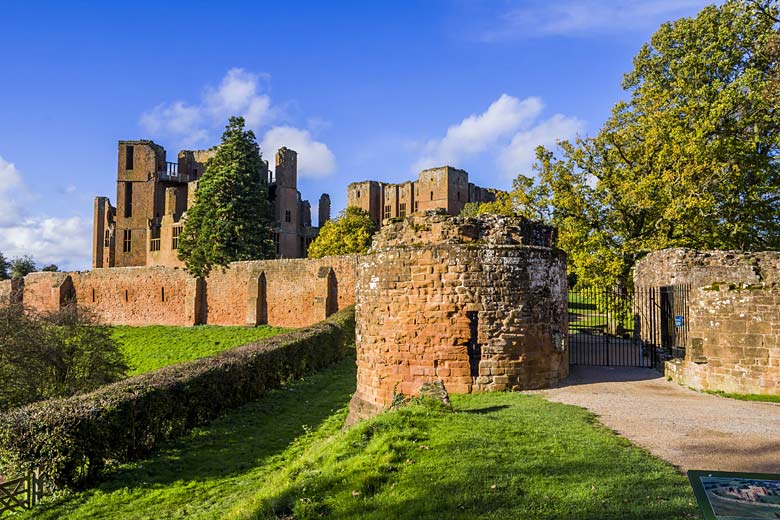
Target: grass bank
[
  {"x": 149, "y": 348},
  {"x": 498, "y": 455}
]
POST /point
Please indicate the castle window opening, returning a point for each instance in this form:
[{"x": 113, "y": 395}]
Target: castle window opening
[
  {"x": 127, "y": 241},
  {"x": 127, "y": 296},
  {"x": 93, "y": 295},
  {"x": 458, "y": 195},
  {"x": 402, "y": 210},
  {"x": 175, "y": 239},
  {"x": 431, "y": 195},
  {"x": 276, "y": 242},
  {"x": 358, "y": 193},
  {"x": 287, "y": 215},
  {"x": 129, "y": 157},
  {"x": 416, "y": 206},
  {"x": 162, "y": 294},
  {"x": 107, "y": 239},
  {"x": 387, "y": 211},
  {"x": 154, "y": 240},
  {"x": 128, "y": 199}
]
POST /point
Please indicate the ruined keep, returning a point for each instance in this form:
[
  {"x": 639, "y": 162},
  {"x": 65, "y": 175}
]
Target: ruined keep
[
  {"x": 477, "y": 303},
  {"x": 445, "y": 188},
  {"x": 153, "y": 196},
  {"x": 731, "y": 327}
]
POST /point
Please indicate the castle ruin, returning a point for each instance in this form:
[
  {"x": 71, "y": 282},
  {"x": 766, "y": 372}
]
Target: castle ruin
[
  {"x": 444, "y": 188},
  {"x": 154, "y": 194}
]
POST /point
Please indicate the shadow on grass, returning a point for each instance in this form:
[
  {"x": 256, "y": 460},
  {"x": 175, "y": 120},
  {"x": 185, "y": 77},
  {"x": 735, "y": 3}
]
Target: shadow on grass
[
  {"x": 486, "y": 410},
  {"x": 235, "y": 444}
]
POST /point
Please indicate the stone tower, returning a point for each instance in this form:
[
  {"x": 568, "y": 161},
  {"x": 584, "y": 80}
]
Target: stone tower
[
  {"x": 477, "y": 303},
  {"x": 324, "y": 210},
  {"x": 286, "y": 173}
]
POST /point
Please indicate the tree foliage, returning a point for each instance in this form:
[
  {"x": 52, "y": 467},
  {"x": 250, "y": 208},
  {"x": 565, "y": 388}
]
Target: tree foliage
[
  {"x": 22, "y": 266},
  {"x": 230, "y": 218},
  {"x": 51, "y": 268},
  {"x": 54, "y": 355},
  {"x": 4, "y": 265},
  {"x": 350, "y": 233},
  {"x": 691, "y": 159}
]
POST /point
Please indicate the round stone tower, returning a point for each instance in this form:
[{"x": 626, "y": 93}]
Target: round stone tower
[{"x": 479, "y": 303}]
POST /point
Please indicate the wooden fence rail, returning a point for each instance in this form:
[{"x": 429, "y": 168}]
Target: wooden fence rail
[{"x": 20, "y": 493}]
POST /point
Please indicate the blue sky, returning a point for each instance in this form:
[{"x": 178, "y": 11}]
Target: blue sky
[{"x": 362, "y": 90}]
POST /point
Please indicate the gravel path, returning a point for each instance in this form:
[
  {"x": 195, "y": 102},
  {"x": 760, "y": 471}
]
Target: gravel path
[{"x": 692, "y": 430}]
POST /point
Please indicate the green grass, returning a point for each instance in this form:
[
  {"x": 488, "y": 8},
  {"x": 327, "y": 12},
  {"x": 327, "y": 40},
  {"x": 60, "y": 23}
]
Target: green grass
[
  {"x": 746, "y": 397},
  {"x": 502, "y": 455},
  {"x": 150, "y": 348}
]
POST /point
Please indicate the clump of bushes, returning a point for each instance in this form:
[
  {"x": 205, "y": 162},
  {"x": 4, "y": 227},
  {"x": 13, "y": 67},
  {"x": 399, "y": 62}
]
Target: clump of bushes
[
  {"x": 73, "y": 439},
  {"x": 54, "y": 354}
]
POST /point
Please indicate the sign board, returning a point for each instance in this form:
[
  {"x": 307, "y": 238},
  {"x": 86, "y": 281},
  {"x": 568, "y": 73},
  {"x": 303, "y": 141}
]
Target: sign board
[
  {"x": 679, "y": 321},
  {"x": 725, "y": 495}
]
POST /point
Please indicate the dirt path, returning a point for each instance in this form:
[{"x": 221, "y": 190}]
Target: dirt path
[{"x": 690, "y": 429}]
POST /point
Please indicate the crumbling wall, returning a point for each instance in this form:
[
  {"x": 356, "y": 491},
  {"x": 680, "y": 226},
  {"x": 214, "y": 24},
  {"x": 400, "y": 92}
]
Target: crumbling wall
[
  {"x": 285, "y": 293},
  {"x": 733, "y": 340},
  {"x": 733, "y": 321},
  {"x": 137, "y": 295},
  {"x": 466, "y": 301},
  {"x": 295, "y": 291},
  {"x": 11, "y": 291},
  {"x": 47, "y": 291},
  {"x": 683, "y": 266}
]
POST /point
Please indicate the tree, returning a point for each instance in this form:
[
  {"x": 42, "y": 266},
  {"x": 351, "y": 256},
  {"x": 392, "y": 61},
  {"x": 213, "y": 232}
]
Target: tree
[
  {"x": 350, "y": 233},
  {"x": 692, "y": 159},
  {"x": 22, "y": 266},
  {"x": 52, "y": 268},
  {"x": 54, "y": 355},
  {"x": 4, "y": 265},
  {"x": 229, "y": 220}
]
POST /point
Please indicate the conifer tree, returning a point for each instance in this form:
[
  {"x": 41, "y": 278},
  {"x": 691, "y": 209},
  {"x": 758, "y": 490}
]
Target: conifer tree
[{"x": 230, "y": 218}]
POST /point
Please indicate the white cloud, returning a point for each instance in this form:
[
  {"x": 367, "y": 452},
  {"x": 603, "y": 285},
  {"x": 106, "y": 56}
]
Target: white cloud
[
  {"x": 10, "y": 186},
  {"x": 314, "y": 158},
  {"x": 510, "y": 129},
  {"x": 66, "y": 242},
  {"x": 479, "y": 131},
  {"x": 239, "y": 93},
  {"x": 519, "y": 155},
  {"x": 193, "y": 124},
  {"x": 580, "y": 17}
]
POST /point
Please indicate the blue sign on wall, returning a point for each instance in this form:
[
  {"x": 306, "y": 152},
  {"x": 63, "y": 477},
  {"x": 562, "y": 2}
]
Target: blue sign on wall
[{"x": 679, "y": 321}]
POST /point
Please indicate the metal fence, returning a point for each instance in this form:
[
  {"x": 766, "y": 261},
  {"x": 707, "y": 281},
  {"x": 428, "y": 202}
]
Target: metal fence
[{"x": 621, "y": 327}]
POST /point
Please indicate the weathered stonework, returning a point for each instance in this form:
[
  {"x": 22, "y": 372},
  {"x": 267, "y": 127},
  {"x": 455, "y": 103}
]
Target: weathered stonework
[
  {"x": 733, "y": 341},
  {"x": 285, "y": 293},
  {"x": 733, "y": 317},
  {"x": 478, "y": 304}
]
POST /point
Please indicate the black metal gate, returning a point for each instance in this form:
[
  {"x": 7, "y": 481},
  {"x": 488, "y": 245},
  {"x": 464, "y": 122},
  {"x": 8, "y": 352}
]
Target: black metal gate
[{"x": 618, "y": 327}]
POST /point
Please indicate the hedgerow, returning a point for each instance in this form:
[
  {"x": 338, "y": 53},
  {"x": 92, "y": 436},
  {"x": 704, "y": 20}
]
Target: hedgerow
[{"x": 72, "y": 440}]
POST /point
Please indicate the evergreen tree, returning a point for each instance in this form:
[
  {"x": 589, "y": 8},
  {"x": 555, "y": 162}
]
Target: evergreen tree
[
  {"x": 4, "y": 265},
  {"x": 230, "y": 218},
  {"x": 350, "y": 233}
]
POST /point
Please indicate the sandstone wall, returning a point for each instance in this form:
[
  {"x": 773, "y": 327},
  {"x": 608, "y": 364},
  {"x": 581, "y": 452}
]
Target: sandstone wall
[
  {"x": 698, "y": 268},
  {"x": 464, "y": 301},
  {"x": 46, "y": 291},
  {"x": 733, "y": 340},
  {"x": 136, "y": 295},
  {"x": 285, "y": 293},
  {"x": 733, "y": 321}
]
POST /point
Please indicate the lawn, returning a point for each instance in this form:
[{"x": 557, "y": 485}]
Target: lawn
[
  {"x": 502, "y": 455},
  {"x": 150, "y": 348}
]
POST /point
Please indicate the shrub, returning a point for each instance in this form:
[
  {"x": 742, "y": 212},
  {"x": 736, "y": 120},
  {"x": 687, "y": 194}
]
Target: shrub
[
  {"x": 71, "y": 440},
  {"x": 54, "y": 355}
]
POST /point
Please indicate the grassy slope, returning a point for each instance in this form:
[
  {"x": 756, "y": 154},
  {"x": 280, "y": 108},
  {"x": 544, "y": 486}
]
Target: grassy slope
[
  {"x": 149, "y": 348},
  {"x": 497, "y": 456}
]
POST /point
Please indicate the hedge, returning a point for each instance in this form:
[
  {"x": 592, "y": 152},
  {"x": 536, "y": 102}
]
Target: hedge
[{"x": 71, "y": 440}]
